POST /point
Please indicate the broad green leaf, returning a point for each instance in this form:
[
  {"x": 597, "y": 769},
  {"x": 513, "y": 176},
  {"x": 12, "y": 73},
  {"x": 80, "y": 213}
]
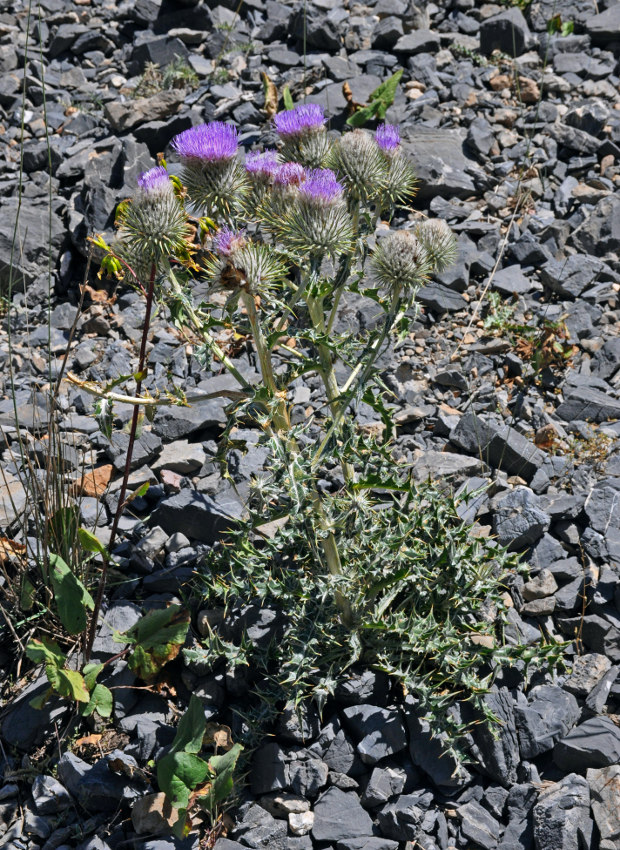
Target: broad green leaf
[
  {"x": 178, "y": 774},
  {"x": 378, "y": 102},
  {"x": 101, "y": 701},
  {"x": 90, "y": 542},
  {"x": 45, "y": 652},
  {"x": 71, "y": 597},
  {"x": 90, "y": 673},
  {"x": 287, "y": 100},
  {"x": 157, "y": 638},
  {"x": 39, "y": 702},
  {"x": 68, "y": 683},
  {"x": 191, "y": 728},
  {"x": 222, "y": 769}
]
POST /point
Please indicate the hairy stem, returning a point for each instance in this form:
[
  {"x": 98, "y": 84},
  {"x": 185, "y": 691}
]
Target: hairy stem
[{"x": 123, "y": 490}]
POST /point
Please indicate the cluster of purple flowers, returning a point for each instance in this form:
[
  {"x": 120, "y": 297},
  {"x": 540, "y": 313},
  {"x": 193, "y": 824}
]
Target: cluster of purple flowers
[
  {"x": 215, "y": 142},
  {"x": 262, "y": 164},
  {"x": 304, "y": 119},
  {"x": 154, "y": 181},
  {"x": 387, "y": 137},
  {"x": 227, "y": 241},
  {"x": 321, "y": 187}
]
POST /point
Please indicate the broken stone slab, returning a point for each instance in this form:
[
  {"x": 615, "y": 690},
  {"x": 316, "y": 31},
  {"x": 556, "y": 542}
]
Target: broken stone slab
[
  {"x": 562, "y": 815},
  {"x": 338, "y": 815},
  {"x": 550, "y": 713},
  {"x": 604, "y": 794},
  {"x": 595, "y": 743},
  {"x": 518, "y": 519},
  {"x": 589, "y": 404},
  {"x": 197, "y": 515},
  {"x": 441, "y": 164},
  {"x": 497, "y": 444},
  {"x": 124, "y": 117}
]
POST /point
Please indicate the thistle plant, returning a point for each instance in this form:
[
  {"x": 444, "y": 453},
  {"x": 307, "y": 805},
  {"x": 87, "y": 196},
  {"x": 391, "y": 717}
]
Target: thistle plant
[{"x": 284, "y": 235}]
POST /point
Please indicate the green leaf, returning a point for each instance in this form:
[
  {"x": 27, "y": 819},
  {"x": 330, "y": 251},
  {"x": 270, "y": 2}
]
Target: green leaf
[
  {"x": 378, "y": 103},
  {"x": 45, "y": 652},
  {"x": 27, "y": 594},
  {"x": 101, "y": 701},
  {"x": 90, "y": 542},
  {"x": 39, "y": 702},
  {"x": 67, "y": 683},
  {"x": 191, "y": 728},
  {"x": 71, "y": 597},
  {"x": 139, "y": 492},
  {"x": 178, "y": 774},
  {"x": 287, "y": 100},
  {"x": 90, "y": 673},
  {"x": 222, "y": 769},
  {"x": 158, "y": 638}
]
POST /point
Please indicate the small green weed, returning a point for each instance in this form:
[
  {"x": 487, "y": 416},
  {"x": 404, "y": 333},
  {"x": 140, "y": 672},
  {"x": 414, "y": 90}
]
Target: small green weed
[{"x": 176, "y": 75}]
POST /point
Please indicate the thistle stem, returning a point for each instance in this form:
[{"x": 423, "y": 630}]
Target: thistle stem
[
  {"x": 128, "y": 458},
  {"x": 281, "y": 419}
]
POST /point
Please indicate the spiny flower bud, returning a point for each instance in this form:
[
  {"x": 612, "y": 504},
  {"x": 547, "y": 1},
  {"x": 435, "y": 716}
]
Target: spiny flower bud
[
  {"x": 318, "y": 222},
  {"x": 238, "y": 263},
  {"x": 439, "y": 242},
  {"x": 359, "y": 161},
  {"x": 302, "y": 131},
  {"x": 401, "y": 260},
  {"x": 153, "y": 225},
  {"x": 212, "y": 173}
]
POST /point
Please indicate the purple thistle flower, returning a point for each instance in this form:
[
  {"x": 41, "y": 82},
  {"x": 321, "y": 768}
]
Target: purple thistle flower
[
  {"x": 262, "y": 164},
  {"x": 387, "y": 137},
  {"x": 289, "y": 174},
  {"x": 227, "y": 241},
  {"x": 215, "y": 142},
  {"x": 299, "y": 121},
  {"x": 321, "y": 186},
  {"x": 154, "y": 181}
]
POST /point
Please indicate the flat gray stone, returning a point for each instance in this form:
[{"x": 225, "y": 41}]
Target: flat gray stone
[{"x": 338, "y": 815}]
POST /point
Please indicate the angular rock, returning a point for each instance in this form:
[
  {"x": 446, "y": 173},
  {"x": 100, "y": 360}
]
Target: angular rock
[
  {"x": 479, "y": 825},
  {"x": 402, "y": 819},
  {"x": 587, "y": 671},
  {"x": 549, "y": 715},
  {"x": 381, "y": 731},
  {"x": 33, "y": 245},
  {"x": 589, "y": 404},
  {"x": 572, "y": 276},
  {"x": 124, "y": 117},
  {"x": 518, "y": 519},
  {"x": 441, "y": 164},
  {"x": 498, "y": 445},
  {"x": 604, "y": 794},
  {"x": 507, "y": 32},
  {"x": 50, "y": 797},
  {"x": 427, "y": 752},
  {"x": 440, "y": 299},
  {"x": 497, "y": 750},
  {"x": 153, "y": 813},
  {"x": 604, "y": 29},
  {"x": 338, "y": 816},
  {"x": 197, "y": 515},
  {"x": 512, "y": 281},
  {"x": 562, "y": 815},
  {"x": 595, "y": 743}
]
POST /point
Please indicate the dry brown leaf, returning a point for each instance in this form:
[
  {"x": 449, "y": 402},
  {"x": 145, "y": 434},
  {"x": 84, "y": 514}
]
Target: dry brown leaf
[
  {"x": 271, "y": 96},
  {"x": 10, "y": 549},
  {"x": 88, "y": 740},
  {"x": 219, "y": 735}
]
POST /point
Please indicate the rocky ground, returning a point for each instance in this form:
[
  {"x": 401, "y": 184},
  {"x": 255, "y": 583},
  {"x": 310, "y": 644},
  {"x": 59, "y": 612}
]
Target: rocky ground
[{"x": 511, "y": 375}]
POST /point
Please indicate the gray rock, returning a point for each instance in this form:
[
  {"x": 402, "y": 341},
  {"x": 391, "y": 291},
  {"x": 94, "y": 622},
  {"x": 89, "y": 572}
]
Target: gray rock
[
  {"x": 440, "y": 299},
  {"x": 401, "y": 820},
  {"x": 258, "y": 829},
  {"x": 269, "y": 769},
  {"x": 574, "y": 139},
  {"x": 441, "y": 163},
  {"x": 384, "y": 784},
  {"x": 603, "y": 508},
  {"x": 600, "y": 232},
  {"x": 26, "y": 727},
  {"x": 387, "y": 32},
  {"x": 597, "y": 698},
  {"x": 380, "y": 731},
  {"x": 175, "y": 423},
  {"x": 562, "y": 815},
  {"x": 595, "y": 743},
  {"x": 338, "y": 749},
  {"x": 497, "y": 444},
  {"x": 590, "y": 116},
  {"x": 339, "y": 816},
  {"x": 479, "y": 825},
  {"x": 606, "y": 360},
  {"x": 49, "y": 795},
  {"x": 589, "y": 404},
  {"x": 428, "y": 752},
  {"x": 543, "y": 585},
  {"x": 33, "y": 245},
  {"x": 96, "y": 787},
  {"x": 604, "y": 792},
  {"x": 507, "y": 32},
  {"x": 518, "y": 519},
  {"x": 572, "y": 276},
  {"x": 512, "y": 281},
  {"x": 549, "y": 715},
  {"x": 197, "y": 515},
  {"x": 364, "y": 843},
  {"x": 604, "y": 29},
  {"x": 418, "y": 41},
  {"x": 519, "y": 832},
  {"x": 587, "y": 671},
  {"x": 497, "y": 749}
]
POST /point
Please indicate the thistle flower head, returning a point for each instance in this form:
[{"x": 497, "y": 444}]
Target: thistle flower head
[
  {"x": 228, "y": 241},
  {"x": 289, "y": 174},
  {"x": 401, "y": 260},
  {"x": 155, "y": 181},
  {"x": 262, "y": 164},
  {"x": 358, "y": 160},
  {"x": 387, "y": 137},
  {"x": 321, "y": 188},
  {"x": 302, "y": 120},
  {"x": 438, "y": 241},
  {"x": 215, "y": 142},
  {"x": 214, "y": 177}
]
